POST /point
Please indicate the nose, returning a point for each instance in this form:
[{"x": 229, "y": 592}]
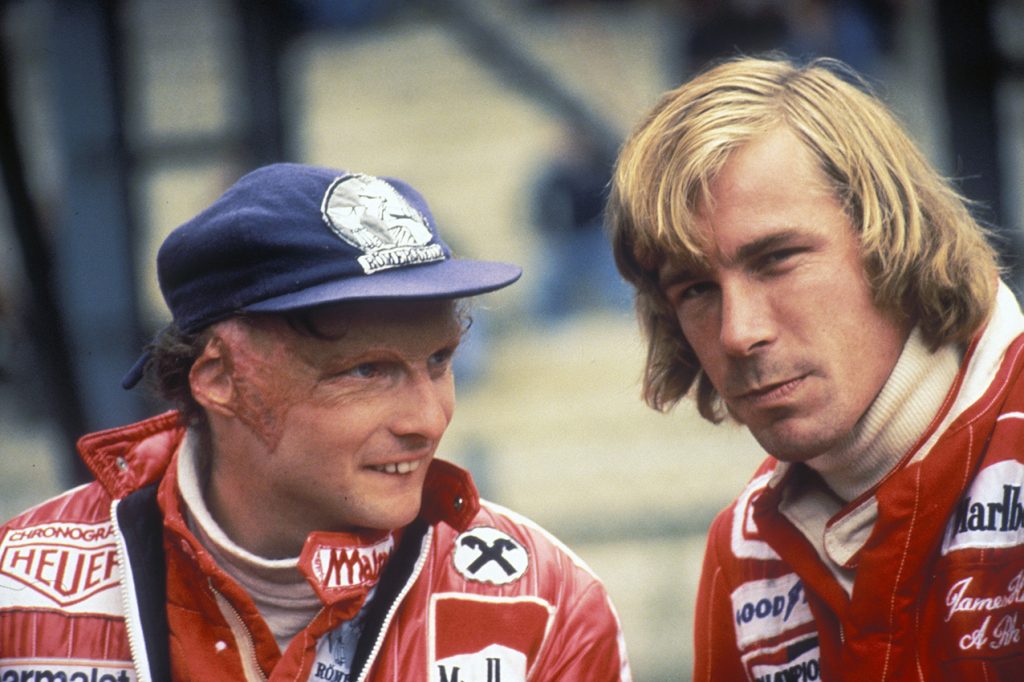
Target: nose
[
  {"x": 424, "y": 408},
  {"x": 747, "y": 320}
]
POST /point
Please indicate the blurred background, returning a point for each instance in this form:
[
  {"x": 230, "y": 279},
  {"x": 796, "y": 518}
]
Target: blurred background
[{"x": 120, "y": 120}]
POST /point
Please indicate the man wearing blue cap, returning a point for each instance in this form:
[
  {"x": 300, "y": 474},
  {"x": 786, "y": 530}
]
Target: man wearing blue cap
[{"x": 289, "y": 520}]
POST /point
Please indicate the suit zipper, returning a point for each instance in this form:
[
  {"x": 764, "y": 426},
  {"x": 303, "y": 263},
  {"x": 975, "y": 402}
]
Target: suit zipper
[
  {"x": 129, "y": 604},
  {"x": 386, "y": 624},
  {"x": 243, "y": 638}
]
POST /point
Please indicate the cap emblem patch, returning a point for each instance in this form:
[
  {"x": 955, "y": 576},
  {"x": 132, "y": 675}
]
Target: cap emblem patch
[{"x": 369, "y": 214}]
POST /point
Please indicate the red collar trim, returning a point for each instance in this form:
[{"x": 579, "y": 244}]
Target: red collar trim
[
  {"x": 126, "y": 458},
  {"x": 449, "y": 496}
]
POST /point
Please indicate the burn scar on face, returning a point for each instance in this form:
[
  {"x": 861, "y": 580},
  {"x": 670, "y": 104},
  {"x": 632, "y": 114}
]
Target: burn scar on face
[{"x": 267, "y": 374}]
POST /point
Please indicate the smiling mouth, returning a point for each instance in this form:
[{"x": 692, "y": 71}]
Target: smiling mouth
[{"x": 398, "y": 468}]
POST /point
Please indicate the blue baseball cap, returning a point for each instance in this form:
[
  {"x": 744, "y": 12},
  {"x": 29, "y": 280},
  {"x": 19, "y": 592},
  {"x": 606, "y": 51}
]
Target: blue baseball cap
[{"x": 290, "y": 236}]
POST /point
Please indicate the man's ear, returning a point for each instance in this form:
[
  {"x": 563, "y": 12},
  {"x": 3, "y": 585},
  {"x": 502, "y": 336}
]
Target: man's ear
[{"x": 212, "y": 379}]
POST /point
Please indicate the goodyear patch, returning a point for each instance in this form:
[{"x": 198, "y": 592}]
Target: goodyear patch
[{"x": 764, "y": 609}]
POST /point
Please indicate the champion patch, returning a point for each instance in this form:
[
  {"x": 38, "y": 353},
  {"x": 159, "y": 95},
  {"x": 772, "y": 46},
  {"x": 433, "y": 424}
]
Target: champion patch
[
  {"x": 486, "y": 639},
  {"x": 369, "y": 214},
  {"x": 488, "y": 555},
  {"x": 64, "y": 563},
  {"x": 794, "y": 660},
  {"x": 339, "y": 565},
  {"x": 991, "y": 513},
  {"x": 764, "y": 609}
]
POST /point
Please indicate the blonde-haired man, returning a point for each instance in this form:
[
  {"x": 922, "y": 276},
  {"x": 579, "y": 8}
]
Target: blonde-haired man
[{"x": 804, "y": 270}]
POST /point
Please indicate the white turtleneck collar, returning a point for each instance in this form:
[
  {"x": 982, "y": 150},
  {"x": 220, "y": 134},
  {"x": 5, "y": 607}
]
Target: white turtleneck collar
[
  {"x": 909, "y": 400},
  {"x": 899, "y": 415},
  {"x": 284, "y": 598}
]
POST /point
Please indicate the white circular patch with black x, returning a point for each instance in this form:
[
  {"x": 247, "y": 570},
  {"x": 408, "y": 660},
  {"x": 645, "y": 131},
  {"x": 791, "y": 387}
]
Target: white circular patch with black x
[{"x": 488, "y": 555}]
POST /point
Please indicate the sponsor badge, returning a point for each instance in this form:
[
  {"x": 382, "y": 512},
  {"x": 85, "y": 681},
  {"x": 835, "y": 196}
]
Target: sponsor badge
[
  {"x": 342, "y": 565},
  {"x": 71, "y": 670},
  {"x": 369, "y": 214},
  {"x": 73, "y": 565},
  {"x": 991, "y": 513},
  {"x": 488, "y": 555},
  {"x": 485, "y": 639},
  {"x": 794, "y": 660},
  {"x": 764, "y": 609}
]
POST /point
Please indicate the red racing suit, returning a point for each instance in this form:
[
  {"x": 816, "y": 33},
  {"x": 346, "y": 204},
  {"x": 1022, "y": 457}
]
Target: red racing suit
[
  {"x": 105, "y": 583},
  {"x": 938, "y": 591}
]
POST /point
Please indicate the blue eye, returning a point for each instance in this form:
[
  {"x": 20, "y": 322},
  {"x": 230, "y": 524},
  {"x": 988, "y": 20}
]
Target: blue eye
[
  {"x": 442, "y": 357},
  {"x": 366, "y": 370}
]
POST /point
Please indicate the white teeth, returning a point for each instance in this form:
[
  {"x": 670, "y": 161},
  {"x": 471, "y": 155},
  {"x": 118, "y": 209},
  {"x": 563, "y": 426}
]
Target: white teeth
[{"x": 400, "y": 468}]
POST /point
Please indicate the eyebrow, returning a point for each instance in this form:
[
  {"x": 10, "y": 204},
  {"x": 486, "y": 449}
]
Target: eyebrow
[
  {"x": 671, "y": 273},
  {"x": 764, "y": 244}
]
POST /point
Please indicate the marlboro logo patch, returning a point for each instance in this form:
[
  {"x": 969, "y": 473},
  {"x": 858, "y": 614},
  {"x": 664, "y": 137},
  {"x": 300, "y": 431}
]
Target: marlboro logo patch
[
  {"x": 64, "y": 563},
  {"x": 991, "y": 513},
  {"x": 341, "y": 564},
  {"x": 486, "y": 639}
]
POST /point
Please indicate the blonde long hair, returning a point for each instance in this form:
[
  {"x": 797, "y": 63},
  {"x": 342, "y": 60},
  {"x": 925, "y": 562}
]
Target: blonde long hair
[{"x": 925, "y": 256}]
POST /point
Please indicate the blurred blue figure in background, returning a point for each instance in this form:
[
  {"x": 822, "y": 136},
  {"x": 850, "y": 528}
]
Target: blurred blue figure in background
[{"x": 577, "y": 271}]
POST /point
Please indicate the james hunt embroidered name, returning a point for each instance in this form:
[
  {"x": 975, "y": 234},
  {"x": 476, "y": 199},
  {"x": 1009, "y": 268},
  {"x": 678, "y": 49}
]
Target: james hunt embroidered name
[
  {"x": 995, "y": 628},
  {"x": 1004, "y": 633},
  {"x": 959, "y": 598}
]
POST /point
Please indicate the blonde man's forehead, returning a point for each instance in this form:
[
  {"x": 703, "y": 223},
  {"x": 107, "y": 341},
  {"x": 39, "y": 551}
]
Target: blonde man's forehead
[{"x": 673, "y": 254}]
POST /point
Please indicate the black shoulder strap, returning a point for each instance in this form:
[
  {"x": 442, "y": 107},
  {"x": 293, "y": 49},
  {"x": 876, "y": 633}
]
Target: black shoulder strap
[
  {"x": 141, "y": 524},
  {"x": 396, "y": 574}
]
